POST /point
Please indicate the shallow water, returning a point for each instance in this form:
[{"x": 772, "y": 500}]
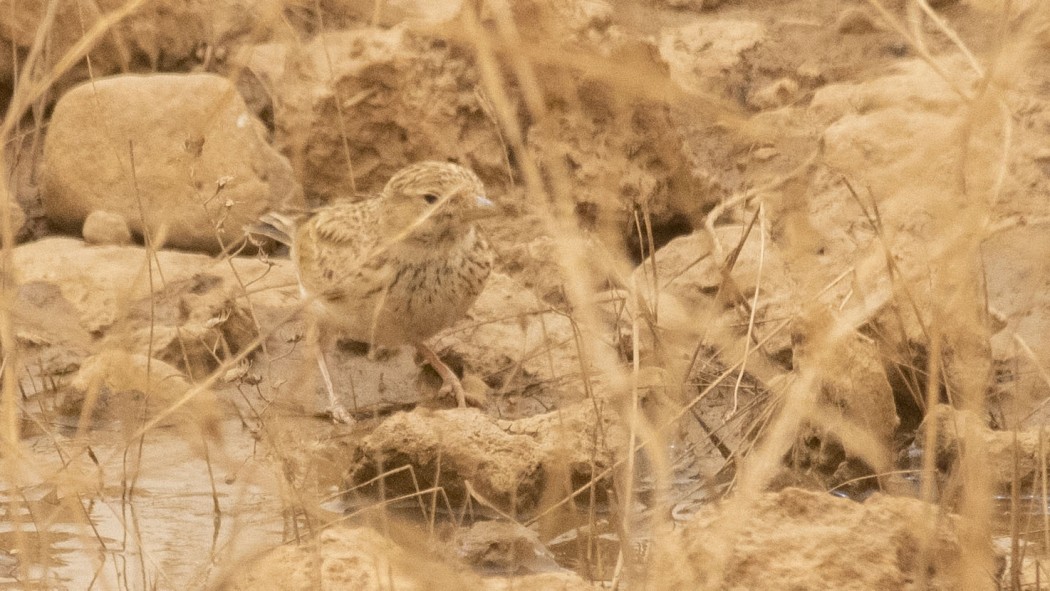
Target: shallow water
[{"x": 164, "y": 531}]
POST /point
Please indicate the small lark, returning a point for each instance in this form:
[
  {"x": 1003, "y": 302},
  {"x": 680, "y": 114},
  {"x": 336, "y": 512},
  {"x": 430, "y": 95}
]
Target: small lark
[{"x": 395, "y": 269}]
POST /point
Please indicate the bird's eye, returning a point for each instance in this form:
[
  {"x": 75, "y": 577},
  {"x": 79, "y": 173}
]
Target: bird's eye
[{"x": 430, "y": 198}]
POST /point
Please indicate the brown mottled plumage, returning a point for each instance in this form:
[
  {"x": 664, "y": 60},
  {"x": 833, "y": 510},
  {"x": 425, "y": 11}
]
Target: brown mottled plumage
[{"x": 395, "y": 269}]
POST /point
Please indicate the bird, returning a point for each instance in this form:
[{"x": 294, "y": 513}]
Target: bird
[{"x": 393, "y": 269}]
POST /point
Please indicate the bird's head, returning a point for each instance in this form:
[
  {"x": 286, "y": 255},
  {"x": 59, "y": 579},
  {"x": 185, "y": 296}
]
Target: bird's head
[{"x": 433, "y": 202}]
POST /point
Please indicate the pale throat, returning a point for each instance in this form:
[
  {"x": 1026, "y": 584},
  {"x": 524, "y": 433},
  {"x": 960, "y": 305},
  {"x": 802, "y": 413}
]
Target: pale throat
[{"x": 435, "y": 246}]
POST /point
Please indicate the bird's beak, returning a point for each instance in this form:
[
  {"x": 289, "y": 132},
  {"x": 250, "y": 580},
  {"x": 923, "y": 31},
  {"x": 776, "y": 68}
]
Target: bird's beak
[{"x": 483, "y": 208}]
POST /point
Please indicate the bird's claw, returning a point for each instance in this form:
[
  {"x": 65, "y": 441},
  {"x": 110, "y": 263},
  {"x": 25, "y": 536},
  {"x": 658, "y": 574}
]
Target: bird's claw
[
  {"x": 341, "y": 415},
  {"x": 463, "y": 397}
]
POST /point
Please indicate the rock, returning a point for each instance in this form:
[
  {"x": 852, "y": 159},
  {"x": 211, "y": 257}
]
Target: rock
[
  {"x": 811, "y": 72},
  {"x": 155, "y": 36},
  {"x": 855, "y": 21},
  {"x": 591, "y": 134},
  {"x": 910, "y": 86},
  {"x": 315, "y": 18},
  {"x": 563, "y": 581},
  {"x": 563, "y": 20},
  {"x": 692, "y": 286},
  {"x": 503, "y": 547},
  {"x": 415, "y": 12},
  {"x": 852, "y": 373},
  {"x": 607, "y": 175},
  {"x": 915, "y": 188},
  {"x": 701, "y": 55},
  {"x": 383, "y": 98},
  {"x": 516, "y": 342},
  {"x": 580, "y": 438},
  {"x": 178, "y": 155},
  {"x": 194, "y": 324},
  {"x": 133, "y": 387},
  {"x": 361, "y": 559},
  {"x": 797, "y": 539},
  {"x": 775, "y": 95},
  {"x": 347, "y": 559},
  {"x": 507, "y": 464},
  {"x": 692, "y": 4},
  {"x": 256, "y": 70},
  {"x": 765, "y": 153},
  {"x": 18, "y": 217},
  {"x": 856, "y": 416},
  {"x": 1001, "y": 448},
  {"x": 48, "y": 330},
  {"x": 104, "y": 227},
  {"x": 447, "y": 448},
  {"x": 1016, "y": 276},
  {"x": 99, "y": 281}
]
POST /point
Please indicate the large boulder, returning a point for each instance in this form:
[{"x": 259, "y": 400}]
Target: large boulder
[
  {"x": 352, "y": 107},
  {"x": 177, "y": 154}
]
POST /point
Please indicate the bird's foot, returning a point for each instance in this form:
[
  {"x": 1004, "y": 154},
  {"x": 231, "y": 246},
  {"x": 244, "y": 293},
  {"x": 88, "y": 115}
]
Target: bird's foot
[
  {"x": 340, "y": 415},
  {"x": 452, "y": 386},
  {"x": 450, "y": 382}
]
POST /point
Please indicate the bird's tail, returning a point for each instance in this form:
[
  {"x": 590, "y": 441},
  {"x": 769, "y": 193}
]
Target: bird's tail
[{"x": 275, "y": 226}]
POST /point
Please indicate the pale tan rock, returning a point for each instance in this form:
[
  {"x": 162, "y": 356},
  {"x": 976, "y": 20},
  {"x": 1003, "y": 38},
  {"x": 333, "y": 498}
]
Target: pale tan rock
[
  {"x": 559, "y": 581},
  {"x": 693, "y": 4},
  {"x": 132, "y": 386},
  {"x": 48, "y": 330},
  {"x": 346, "y": 559},
  {"x": 916, "y": 187},
  {"x": 178, "y": 155},
  {"x": 774, "y": 95},
  {"x": 583, "y": 138},
  {"x": 158, "y": 35},
  {"x": 692, "y": 287},
  {"x": 856, "y": 415},
  {"x": 415, "y": 12},
  {"x": 453, "y": 446},
  {"x": 700, "y": 55},
  {"x": 256, "y": 70},
  {"x": 394, "y": 97},
  {"x": 578, "y": 436},
  {"x": 1016, "y": 279},
  {"x": 505, "y": 462},
  {"x": 194, "y": 324},
  {"x": 18, "y": 217},
  {"x": 361, "y": 559},
  {"x": 911, "y": 86},
  {"x": 797, "y": 539},
  {"x": 502, "y": 547},
  {"x": 1003, "y": 448},
  {"x": 811, "y": 71},
  {"x": 514, "y": 338},
  {"x": 855, "y": 21},
  {"x": 559, "y": 21},
  {"x": 104, "y": 227},
  {"x": 99, "y": 281}
]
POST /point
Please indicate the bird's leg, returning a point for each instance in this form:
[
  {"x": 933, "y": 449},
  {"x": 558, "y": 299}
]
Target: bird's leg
[
  {"x": 450, "y": 383},
  {"x": 320, "y": 342}
]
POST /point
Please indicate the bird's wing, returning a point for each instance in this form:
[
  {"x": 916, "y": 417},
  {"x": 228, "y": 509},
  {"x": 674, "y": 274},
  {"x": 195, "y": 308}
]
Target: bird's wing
[
  {"x": 349, "y": 226},
  {"x": 276, "y": 226},
  {"x": 336, "y": 246}
]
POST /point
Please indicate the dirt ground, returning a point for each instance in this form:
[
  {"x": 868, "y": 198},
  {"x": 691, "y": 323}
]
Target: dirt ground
[{"x": 768, "y": 310}]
